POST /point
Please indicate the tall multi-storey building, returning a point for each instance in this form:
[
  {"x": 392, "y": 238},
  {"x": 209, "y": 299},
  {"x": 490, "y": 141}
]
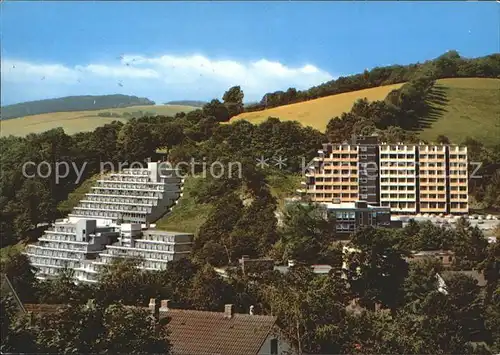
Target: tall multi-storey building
[
  {"x": 457, "y": 164},
  {"x": 398, "y": 176},
  {"x": 96, "y": 234},
  {"x": 408, "y": 178},
  {"x": 140, "y": 195},
  {"x": 432, "y": 179},
  {"x": 333, "y": 176}
]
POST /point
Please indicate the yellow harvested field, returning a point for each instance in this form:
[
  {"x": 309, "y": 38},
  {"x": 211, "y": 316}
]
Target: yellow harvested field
[
  {"x": 316, "y": 113},
  {"x": 79, "y": 121}
]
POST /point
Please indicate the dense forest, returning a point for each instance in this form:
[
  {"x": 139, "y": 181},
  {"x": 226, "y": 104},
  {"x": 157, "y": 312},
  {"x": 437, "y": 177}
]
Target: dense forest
[
  {"x": 448, "y": 65},
  {"x": 71, "y": 103}
]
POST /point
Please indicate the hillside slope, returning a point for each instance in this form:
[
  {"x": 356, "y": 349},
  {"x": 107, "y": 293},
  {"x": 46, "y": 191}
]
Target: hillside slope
[
  {"x": 470, "y": 107},
  {"x": 82, "y": 121},
  {"x": 316, "y": 113},
  {"x": 72, "y": 103},
  {"x": 188, "y": 215}
]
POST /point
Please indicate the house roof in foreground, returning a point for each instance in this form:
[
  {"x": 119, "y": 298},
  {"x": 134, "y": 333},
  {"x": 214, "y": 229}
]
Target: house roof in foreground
[
  {"x": 204, "y": 333},
  {"x": 210, "y": 333}
]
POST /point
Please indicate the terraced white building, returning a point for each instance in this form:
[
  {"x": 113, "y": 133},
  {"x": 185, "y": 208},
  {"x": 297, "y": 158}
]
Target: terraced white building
[
  {"x": 140, "y": 195},
  {"x": 113, "y": 221},
  {"x": 68, "y": 245}
]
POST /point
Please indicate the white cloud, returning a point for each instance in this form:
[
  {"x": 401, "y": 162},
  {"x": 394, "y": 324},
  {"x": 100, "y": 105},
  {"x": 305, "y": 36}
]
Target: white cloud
[{"x": 160, "y": 78}]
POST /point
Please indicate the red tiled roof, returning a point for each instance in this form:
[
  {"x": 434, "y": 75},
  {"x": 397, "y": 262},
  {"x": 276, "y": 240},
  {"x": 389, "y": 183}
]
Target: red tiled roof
[
  {"x": 209, "y": 333},
  {"x": 203, "y": 333},
  {"x": 43, "y": 308}
]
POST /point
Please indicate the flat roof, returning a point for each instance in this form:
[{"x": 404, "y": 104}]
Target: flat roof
[
  {"x": 162, "y": 232},
  {"x": 351, "y": 205}
]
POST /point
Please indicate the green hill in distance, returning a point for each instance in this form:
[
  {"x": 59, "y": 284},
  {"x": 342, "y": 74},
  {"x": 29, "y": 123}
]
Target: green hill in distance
[
  {"x": 83, "y": 121},
  {"x": 193, "y": 103},
  {"x": 72, "y": 103}
]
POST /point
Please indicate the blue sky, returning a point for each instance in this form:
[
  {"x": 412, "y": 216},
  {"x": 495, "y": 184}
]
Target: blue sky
[{"x": 196, "y": 50}]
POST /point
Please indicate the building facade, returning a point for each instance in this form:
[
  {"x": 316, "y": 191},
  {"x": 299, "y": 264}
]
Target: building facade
[
  {"x": 100, "y": 229},
  {"x": 408, "y": 178},
  {"x": 351, "y": 216}
]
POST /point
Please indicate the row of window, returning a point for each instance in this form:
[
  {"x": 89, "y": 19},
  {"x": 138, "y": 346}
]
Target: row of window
[
  {"x": 458, "y": 156},
  {"x": 129, "y": 178},
  {"x": 398, "y": 205},
  {"x": 410, "y": 172},
  {"x": 64, "y": 246},
  {"x": 107, "y": 214},
  {"x": 398, "y": 196},
  {"x": 384, "y": 147},
  {"x": 336, "y": 187},
  {"x": 341, "y": 163},
  {"x": 136, "y": 200},
  {"x": 398, "y": 156},
  {"x": 458, "y": 196},
  {"x": 347, "y": 172},
  {"x": 336, "y": 195},
  {"x": 427, "y": 196},
  {"x": 138, "y": 253},
  {"x": 398, "y": 180},
  {"x": 54, "y": 262},
  {"x": 125, "y": 192},
  {"x": 336, "y": 179},
  {"x": 110, "y": 185},
  {"x": 159, "y": 237},
  {"x": 157, "y": 265},
  {"x": 154, "y": 246},
  {"x": 114, "y": 208},
  {"x": 397, "y": 188},
  {"x": 62, "y": 237}
]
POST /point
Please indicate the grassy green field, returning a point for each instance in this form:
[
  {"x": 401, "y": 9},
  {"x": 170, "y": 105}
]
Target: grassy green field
[
  {"x": 316, "y": 113},
  {"x": 7, "y": 252},
  {"x": 470, "y": 107},
  {"x": 79, "y": 121},
  {"x": 188, "y": 215}
]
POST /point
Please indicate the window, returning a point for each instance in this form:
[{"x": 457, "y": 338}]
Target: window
[{"x": 365, "y": 180}]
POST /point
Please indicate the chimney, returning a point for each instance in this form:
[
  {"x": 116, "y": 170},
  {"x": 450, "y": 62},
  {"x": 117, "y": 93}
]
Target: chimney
[
  {"x": 164, "y": 305},
  {"x": 152, "y": 303},
  {"x": 228, "y": 311},
  {"x": 154, "y": 306}
]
